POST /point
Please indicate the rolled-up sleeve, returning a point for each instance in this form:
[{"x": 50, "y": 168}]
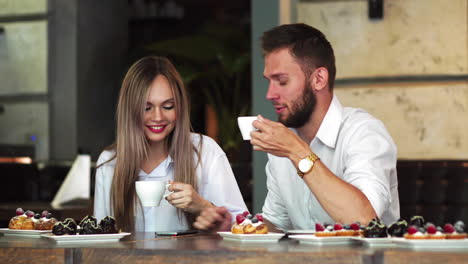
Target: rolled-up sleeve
[{"x": 371, "y": 159}]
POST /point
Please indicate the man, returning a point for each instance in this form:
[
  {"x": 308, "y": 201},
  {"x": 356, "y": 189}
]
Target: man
[{"x": 326, "y": 163}]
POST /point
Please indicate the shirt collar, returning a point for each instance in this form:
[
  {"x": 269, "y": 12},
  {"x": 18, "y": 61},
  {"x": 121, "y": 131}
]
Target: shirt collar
[
  {"x": 330, "y": 127},
  {"x": 162, "y": 170}
]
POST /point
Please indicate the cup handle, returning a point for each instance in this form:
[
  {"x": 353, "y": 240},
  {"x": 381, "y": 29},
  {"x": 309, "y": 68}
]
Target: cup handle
[{"x": 167, "y": 188}]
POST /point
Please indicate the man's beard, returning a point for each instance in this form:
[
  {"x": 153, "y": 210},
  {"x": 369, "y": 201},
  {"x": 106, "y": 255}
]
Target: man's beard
[{"x": 301, "y": 109}]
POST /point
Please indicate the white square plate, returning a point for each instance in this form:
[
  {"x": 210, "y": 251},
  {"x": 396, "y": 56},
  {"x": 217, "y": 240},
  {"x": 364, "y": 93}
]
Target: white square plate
[
  {"x": 270, "y": 237},
  {"x": 312, "y": 239},
  {"x": 301, "y": 232},
  {"x": 431, "y": 243},
  {"x": 86, "y": 238},
  {"x": 377, "y": 241},
  {"x": 23, "y": 233}
]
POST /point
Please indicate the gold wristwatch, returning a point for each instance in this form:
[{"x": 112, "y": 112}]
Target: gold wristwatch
[{"x": 306, "y": 164}]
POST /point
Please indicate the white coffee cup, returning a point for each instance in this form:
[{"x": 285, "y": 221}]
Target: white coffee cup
[
  {"x": 245, "y": 125},
  {"x": 151, "y": 193}
]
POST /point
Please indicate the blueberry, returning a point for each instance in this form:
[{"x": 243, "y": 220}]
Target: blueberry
[
  {"x": 254, "y": 220},
  {"x": 347, "y": 227},
  {"x": 459, "y": 227},
  {"x": 37, "y": 216},
  {"x": 49, "y": 216},
  {"x": 440, "y": 229}
]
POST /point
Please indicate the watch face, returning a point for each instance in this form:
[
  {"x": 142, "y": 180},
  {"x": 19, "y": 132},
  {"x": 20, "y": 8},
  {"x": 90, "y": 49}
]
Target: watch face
[{"x": 305, "y": 165}]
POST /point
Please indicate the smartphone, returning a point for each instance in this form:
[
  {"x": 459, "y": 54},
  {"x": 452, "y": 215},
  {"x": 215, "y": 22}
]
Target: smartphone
[{"x": 175, "y": 232}]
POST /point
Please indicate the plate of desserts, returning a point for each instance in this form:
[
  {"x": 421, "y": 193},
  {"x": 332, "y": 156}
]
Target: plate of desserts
[
  {"x": 432, "y": 243},
  {"x": 300, "y": 232},
  {"x": 23, "y": 233},
  {"x": 86, "y": 238},
  {"x": 313, "y": 239},
  {"x": 29, "y": 224},
  {"x": 248, "y": 228},
  {"x": 88, "y": 230},
  {"x": 374, "y": 241},
  {"x": 329, "y": 234},
  {"x": 269, "y": 237}
]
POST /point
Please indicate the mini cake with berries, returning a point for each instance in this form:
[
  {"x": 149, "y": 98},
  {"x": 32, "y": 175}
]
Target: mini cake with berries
[
  {"x": 324, "y": 230},
  {"x": 415, "y": 232},
  {"x": 46, "y": 221},
  {"x": 456, "y": 231},
  {"x": 343, "y": 230},
  {"x": 375, "y": 229},
  {"x": 434, "y": 232},
  {"x": 246, "y": 224},
  {"x": 22, "y": 220},
  {"x": 398, "y": 229}
]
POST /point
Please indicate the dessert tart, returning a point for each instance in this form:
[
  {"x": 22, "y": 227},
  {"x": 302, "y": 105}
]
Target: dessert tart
[
  {"x": 434, "y": 232},
  {"x": 246, "y": 224},
  {"x": 324, "y": 230},
  {"x": 46, "y": 221},
  {"x": 414, "y": 232},
  {"x": 456, "y": 231}
]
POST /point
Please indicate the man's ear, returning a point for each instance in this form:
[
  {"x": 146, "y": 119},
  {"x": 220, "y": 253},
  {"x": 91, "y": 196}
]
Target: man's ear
[{"x": 319, "y": 79}]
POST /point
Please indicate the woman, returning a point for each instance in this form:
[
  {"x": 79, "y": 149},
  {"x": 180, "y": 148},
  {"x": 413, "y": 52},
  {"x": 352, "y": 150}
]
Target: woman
[{"x": 154, "y": 142}]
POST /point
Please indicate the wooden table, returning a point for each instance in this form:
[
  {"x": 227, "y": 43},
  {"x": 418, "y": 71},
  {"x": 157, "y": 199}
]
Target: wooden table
[{"x": 145, "y": 248}]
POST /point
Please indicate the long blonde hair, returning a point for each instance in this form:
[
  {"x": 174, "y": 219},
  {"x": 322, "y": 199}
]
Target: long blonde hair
[{"x": 131, "y": 146}]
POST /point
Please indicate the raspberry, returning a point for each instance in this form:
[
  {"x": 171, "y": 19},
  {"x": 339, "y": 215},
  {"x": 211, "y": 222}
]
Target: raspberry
[
  {"x": 259, "y": 217},
  {"x": 337, "y": 226},
  {"x": 29, "y": 213},
  {"x": 448, "y": 228},
  {"x": 319, "y": 227},
  {"x": 240, "y": 218},
  {"x": 246, "y": 213},
  {"x": 19, "y": 211},
  {"x": 355, "y": 226},
  {"x": 431, "y": 229},
  {"x": 44, "y": 213},
  {"x": 412, "y": 229}
]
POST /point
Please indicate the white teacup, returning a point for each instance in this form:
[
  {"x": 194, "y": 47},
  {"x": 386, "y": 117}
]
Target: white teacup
[
  {"x": 151, "y": 192},
  {"x": 245, "y": 125}
]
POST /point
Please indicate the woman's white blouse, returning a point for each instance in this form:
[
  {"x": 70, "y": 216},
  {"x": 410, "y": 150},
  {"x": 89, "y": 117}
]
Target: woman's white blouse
[{"x": 215, "y": 179}]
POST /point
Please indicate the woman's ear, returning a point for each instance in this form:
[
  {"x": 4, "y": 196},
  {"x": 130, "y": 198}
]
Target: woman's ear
[{"x": 319, "y": 79}]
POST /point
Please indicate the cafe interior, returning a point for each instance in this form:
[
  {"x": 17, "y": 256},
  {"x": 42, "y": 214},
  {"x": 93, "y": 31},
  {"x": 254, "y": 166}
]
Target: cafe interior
[{"x": 62, "y": 63}]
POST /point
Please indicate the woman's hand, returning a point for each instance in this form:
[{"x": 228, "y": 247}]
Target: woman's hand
[{"x": 186, "y": 198}]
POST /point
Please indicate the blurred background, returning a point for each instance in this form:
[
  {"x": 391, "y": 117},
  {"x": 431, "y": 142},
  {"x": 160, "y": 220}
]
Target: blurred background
[{"x": 62, "y": 62}]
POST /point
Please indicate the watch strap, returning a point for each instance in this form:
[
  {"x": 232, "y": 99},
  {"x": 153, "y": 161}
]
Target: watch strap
[{"x": 312, "y": 157}]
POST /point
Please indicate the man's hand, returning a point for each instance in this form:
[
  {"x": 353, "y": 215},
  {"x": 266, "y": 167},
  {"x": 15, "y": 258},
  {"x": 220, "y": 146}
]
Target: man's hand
[
  {"x": 214, "y": 219},
  {"x": 276, "y": 139}
]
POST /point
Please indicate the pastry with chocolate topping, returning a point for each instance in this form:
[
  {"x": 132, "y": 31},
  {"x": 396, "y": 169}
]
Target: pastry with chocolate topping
[
  {"x": 108, "y": 225},
  {"x": 375, "y": 229},
  {"x": 89, "y": 227},
  {"x": 398, "y": 229}
]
